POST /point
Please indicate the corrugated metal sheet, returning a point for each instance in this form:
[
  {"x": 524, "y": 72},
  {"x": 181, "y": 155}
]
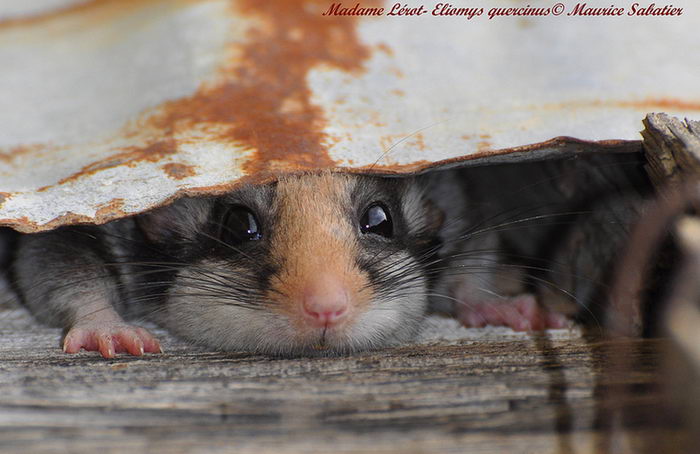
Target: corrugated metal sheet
[{"x": 112, "y": 107}]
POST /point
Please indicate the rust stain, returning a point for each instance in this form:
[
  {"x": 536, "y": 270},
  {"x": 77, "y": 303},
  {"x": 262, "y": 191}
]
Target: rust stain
[
  {"x": 392, "y": 143},
  {"x": 398, "y": 92},
  {"x": 151, "y": 153},
  {"x": 646, "y": 104},
  {"x": 104, "y": 213},
  {"x": 396, "y": 71},
  {"x": 484, "y": 145},
  {"x": 19, "y": 150},
  {"x": 112, "y": 209},
  {"x": 22, "y": 224},
  {"x": 92, "y": 12},
  {"x": 419, "y": 141},
  {"x": 484, "y": 156},
  {"x": 524, "y": 23},
  {"x": 384, "y": 47},
  {"x": 3, "y": 197},
  {"x": 483, "y": 137},
  {"x": 414, "y": 166},
  {"x": 264, "y": 103},
  {"x": 26, "y": 225},
  {"x": 661, "y": 103},
  {"x": 129, "y": 157},
  {"x": 178, "y": 171}
]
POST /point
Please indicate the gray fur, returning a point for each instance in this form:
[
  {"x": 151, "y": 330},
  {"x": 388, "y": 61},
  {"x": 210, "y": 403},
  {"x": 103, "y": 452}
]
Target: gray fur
[
  {"x": 213, "y": 298},
  {"x": 57, "y": 278},
  {"x": 211, "y": 293}
]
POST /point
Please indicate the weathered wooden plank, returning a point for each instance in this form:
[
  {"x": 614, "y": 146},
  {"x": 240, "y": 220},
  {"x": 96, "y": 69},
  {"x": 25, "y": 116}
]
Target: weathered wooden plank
[{"x": 503, "y": 393}]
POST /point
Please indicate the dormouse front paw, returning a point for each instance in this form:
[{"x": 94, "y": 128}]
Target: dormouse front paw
[
  {"x": 110, "y": 338},
  {"x": 520, "y": 313}
]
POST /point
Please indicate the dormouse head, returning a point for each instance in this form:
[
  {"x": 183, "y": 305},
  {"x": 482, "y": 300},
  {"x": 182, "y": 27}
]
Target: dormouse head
[{"x": 312, "y": 263}]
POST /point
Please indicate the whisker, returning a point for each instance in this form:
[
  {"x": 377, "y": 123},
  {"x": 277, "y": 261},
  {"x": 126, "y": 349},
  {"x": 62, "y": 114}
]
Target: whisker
[{"x": 395, "y": 144}]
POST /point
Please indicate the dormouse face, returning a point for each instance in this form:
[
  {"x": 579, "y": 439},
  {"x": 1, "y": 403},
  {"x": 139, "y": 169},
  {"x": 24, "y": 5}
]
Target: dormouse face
[{"x": 313, "y": 263}]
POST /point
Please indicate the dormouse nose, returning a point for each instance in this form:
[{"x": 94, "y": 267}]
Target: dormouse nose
[{"x": 325, "y": 300}]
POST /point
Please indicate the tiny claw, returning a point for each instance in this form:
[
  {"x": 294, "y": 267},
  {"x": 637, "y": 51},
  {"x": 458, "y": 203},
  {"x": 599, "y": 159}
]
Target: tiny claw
[
  {"x": 105, "y": 346},
  {"x": 521, "y": 325},
  {"x": 110, "y": 338},
  {"x": 150, "y": 344},
  {"x": 557, "y": 321},
  {"x": 136, "y": 347},
  {"x": 475, "y": 320}
]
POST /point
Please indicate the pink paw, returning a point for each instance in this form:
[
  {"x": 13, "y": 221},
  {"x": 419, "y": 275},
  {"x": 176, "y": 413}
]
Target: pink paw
[
  {"x": 520, "y": 313},
  {"x": 110, "y": 338}
]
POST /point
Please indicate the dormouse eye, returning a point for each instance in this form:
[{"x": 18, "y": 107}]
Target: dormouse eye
[
  {"x": 240, "y": 225},
  {"x": 376, "y": 220}
]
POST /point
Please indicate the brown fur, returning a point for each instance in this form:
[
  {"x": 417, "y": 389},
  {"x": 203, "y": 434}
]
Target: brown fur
[{"x": 309, "y": 209}]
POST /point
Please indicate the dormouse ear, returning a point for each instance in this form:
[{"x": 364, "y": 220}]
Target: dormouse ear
[
  {"x": 423, "y": 215},
  {"x": 179, "y": 221},
  {"x": 435, "y": 217}
]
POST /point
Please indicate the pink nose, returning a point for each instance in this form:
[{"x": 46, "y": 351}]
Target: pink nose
[{"x": 325, "y": 301}]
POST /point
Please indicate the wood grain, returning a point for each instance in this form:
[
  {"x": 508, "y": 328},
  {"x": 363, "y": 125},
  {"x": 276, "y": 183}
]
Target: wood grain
[
  {"x": 672, "y": 148},
  {"x": 520, "y": 394}
]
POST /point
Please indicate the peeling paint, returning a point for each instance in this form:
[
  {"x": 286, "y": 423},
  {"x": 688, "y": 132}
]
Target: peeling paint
[
  {"x": 483, "y": 145},
  {"x": 4, "y": 196},
  {"x": 178, "y": 171},
  {"x": 264, "y": 103}
]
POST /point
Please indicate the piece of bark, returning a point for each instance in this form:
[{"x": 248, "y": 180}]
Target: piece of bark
[{"x": 672, "y": 148}]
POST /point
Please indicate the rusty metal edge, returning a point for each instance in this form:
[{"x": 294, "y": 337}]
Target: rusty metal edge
[{"x": 553, "y": 148}]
